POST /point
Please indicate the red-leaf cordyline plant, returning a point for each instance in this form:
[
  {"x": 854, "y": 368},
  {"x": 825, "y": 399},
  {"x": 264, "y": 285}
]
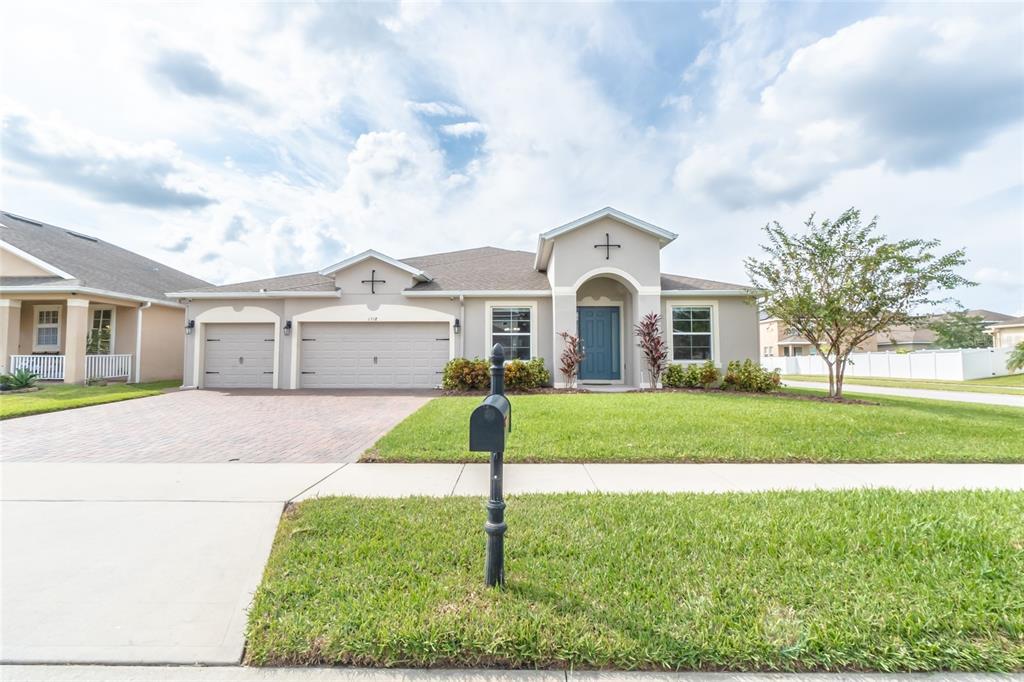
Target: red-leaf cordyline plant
[
  {"x": 653, "y": 346},
  {"x": 572, "y": 358}
]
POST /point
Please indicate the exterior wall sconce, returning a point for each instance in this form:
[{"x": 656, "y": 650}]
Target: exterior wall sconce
[
  {"x": 458, "y": 326},
  {"x": 189, "y": 326},
  {"x": 288, "y": 328}
]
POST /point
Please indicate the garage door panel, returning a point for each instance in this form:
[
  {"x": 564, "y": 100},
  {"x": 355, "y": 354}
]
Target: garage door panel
[
  {"x": 239, "y": 356},
  {"x": 373, "y": 355}
]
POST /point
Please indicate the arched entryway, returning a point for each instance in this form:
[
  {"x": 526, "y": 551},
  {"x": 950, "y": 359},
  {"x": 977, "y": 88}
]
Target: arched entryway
[{"x": 604, "y": 314}]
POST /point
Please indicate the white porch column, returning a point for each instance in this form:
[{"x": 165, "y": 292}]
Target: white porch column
[
  {"x": 76, "y": 331},
  {"x": 10, "y": 330},
  {"x": 563, "y": 308}
]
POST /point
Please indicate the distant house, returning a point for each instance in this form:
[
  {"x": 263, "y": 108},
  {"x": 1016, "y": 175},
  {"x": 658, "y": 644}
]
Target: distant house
[
  {"x": 74, "y": 307},
  {"x": 777, "y": 340},
  {"x": 1007, "y": 333}
]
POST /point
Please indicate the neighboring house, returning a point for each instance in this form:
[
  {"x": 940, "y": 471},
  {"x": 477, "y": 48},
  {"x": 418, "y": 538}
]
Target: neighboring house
[
  {"x": 1007, "y": 333},
  {"x": 778, "y": 340},
  {"x": 73, "y": 307},
  {"x": 373, "y": 321}
]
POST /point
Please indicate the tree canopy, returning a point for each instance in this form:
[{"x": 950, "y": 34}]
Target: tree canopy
[
  {"x": 840, "y": 282},
  {"x": 960, "y": 330}
]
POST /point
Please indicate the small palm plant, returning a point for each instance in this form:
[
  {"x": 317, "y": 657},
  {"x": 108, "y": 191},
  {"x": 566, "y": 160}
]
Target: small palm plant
[
  {"x": 1015, "y": 362},
  {"x": 19, "y": 378}
]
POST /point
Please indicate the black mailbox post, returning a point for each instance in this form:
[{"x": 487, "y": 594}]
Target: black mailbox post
[{"x": 488, "y": 425}]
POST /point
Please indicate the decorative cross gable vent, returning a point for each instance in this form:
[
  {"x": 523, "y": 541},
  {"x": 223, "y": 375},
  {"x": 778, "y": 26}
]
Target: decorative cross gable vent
[
  {"x": 607, "y": 246},
  {"x": 373, "y": 281}
]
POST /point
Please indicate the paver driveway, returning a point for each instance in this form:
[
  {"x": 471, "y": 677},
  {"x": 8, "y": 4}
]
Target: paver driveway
[{"x": 213, "y": 426}]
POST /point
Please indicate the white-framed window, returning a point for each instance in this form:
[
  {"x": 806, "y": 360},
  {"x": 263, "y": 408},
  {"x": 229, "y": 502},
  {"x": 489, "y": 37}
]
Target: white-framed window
[
  {"x": 692, "y": 338},
  {"x": 513, "y": 325},
  {"x": 101, "y": 330},
  {"x": 46, "y": 328}
]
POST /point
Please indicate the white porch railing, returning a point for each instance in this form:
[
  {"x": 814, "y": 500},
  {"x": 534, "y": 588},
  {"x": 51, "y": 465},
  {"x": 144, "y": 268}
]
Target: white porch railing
[
  {"x": 51, "y": 367},
  {"x": 108, "y": 366},
  {"x": 48, "y": 367}
]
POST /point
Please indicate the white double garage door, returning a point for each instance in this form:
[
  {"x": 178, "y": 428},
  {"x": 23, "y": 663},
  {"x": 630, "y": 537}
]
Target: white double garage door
[{"x": 331, "y": 355}]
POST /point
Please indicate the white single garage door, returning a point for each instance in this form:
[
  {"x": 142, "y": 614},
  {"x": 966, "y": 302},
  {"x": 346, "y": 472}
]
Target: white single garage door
[
  {"x": 373, "y": 355},
  {"x": 239, "y": 356}
]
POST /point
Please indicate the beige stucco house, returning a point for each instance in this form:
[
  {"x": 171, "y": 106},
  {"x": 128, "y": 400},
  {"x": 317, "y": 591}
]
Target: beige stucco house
[
  {"x": 777, "y": 340},
  {"x": 74, "y": 307},
  {"x": 1008, "y": 333},
  {"x": 373, "y": 321}
]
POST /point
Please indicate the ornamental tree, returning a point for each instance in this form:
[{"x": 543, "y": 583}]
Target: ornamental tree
[
  {"x": 960, "y": 330},
  {"x": 652, "y": 345},
  {"x": 841, "y": 282}
]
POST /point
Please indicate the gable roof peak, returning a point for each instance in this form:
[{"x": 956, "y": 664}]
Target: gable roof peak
[
  {"x": 544, "y": 241},
  {"x": 371, "y": 253}
]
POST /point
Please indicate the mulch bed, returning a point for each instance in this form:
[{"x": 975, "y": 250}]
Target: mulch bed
[{"x": 9, "y": 391}]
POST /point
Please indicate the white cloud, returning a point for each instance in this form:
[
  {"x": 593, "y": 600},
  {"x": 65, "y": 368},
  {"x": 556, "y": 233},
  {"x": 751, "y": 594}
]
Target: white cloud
[
  {"x": 315, "y": 128},
  {"x": 464, "y": 129},
  {"x": 436, "y": 108}
]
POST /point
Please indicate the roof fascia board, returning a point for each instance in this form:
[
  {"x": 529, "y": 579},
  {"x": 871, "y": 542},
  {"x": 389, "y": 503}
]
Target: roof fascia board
[
  {"x": 683, "y": 293},
  {"x": 38, "y": 262},
  {"x": 253, "y": 294},
  {"x": 609, "y": 212},
  {"x": 85, "y": 290},
  {"x": 479, "y": 293},
  {"x": 371, "y": 253}
]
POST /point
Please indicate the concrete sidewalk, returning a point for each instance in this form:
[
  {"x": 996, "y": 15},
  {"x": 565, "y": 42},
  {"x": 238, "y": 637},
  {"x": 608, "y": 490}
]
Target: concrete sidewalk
[
  {"x": 157, "y": 563},
  {"x": 929, "y": 393},
  {"x": 237, "y": 674},
  {"x": 280, "y": 483}
]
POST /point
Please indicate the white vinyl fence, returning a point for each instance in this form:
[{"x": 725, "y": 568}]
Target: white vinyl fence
[{"x": 954, "y": 365}]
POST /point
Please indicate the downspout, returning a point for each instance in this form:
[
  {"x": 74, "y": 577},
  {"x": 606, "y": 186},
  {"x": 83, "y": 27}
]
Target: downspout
[
  {"x": 462, "y": 316},
  {"x": 138, "y": 340}
]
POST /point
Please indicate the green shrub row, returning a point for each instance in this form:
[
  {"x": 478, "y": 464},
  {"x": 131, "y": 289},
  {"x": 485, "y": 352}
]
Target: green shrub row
[
  {"x": 747, "y": 376},
  {"x": 465, "y": 374}
]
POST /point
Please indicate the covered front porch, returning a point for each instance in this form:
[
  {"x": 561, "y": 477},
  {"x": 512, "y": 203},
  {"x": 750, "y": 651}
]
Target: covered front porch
[{"x": 70, "y": 339}]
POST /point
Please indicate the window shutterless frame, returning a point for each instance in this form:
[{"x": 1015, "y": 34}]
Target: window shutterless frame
[
  {"x": 513, "y": 324},
  {"x": 46, "y": 319}
]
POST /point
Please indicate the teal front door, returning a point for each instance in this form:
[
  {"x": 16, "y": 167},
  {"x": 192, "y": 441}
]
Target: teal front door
[{"x": 599, "y": 334}]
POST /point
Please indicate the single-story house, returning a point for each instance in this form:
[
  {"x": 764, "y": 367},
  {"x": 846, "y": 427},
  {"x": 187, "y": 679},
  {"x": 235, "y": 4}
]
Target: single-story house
[
  {"x": 74, "y": 307},
  {"x": 1007, "y": 333},
  {"x": 778, "y": 340},
  {"x": 373, "y": 321}
]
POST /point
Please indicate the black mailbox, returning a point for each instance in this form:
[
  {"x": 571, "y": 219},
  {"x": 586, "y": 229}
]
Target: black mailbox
[{"x": 489, "y": 423}]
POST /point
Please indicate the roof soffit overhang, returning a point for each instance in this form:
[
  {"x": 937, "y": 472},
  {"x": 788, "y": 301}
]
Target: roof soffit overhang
[
  {"x": 546, "y": 240},
  {"x": 417, "y": 274}
]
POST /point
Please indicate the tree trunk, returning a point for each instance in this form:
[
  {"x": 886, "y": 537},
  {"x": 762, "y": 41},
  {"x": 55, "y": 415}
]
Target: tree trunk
[
  {"x": 841, "y": 374},
  {"x": 831, "y": 378}
]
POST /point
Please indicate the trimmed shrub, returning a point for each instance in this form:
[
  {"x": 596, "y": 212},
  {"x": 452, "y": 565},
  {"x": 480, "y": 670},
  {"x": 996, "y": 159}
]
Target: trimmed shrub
[
  {"x": 751, "y": 377},
  {"x": 707, "y": 374},
  {"x": 691, "y": 376},
  {"x": 463, "y": 374},
  {"x": 673, "y": 377},
  {"x": 521, "y": 375}
]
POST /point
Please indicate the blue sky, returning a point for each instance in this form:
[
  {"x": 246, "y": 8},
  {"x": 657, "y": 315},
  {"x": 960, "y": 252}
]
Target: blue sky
[{"x": 238, "y": 142}]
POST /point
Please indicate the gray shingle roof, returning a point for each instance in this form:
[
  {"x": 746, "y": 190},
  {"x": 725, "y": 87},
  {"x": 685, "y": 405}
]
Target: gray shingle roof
[
  {"x": 683, "y": 283},
  {"x": 304, "y": 281},
  {"x": 484, "y": 269},
  {"x": 93, "y": 262}
]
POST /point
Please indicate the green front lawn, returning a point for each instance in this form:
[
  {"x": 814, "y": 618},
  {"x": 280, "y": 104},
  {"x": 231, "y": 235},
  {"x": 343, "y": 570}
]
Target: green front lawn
[
  {"x": 1012, "y": 384},
  {"x": 714, "y": 427},
  {"x": 853, "y": 580},
  {"x": 54, "y": 397}
]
